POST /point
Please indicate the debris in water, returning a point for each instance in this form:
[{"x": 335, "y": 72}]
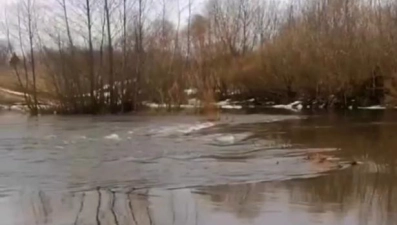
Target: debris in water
[{"x": 355, "y": 163}]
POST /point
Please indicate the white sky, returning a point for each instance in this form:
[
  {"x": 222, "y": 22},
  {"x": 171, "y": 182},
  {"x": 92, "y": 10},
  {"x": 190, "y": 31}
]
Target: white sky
[
  {"x": 197, "y": 4},
  {"x": 155, "y": 9}
]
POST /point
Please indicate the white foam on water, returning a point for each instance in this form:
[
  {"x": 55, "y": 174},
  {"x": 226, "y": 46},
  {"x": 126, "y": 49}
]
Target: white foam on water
[
  {"x": 130, "y": 132},
  {"x": 197, "y": 127},
  {"x": 226, "y": 139},
  {"x": 180, "y": 129},
  {"x": 232, "y": 138},
  {"x": 114, "y": 137},
  {"x": 79, "y": 137}
]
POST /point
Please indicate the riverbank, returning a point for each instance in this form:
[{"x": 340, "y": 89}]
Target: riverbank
[{"x": 13, "y": 100}]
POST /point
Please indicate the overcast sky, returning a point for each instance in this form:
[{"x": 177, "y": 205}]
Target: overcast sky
[
  {"x": 155, "y": 9},
  {"x": 172, "y": 5}
]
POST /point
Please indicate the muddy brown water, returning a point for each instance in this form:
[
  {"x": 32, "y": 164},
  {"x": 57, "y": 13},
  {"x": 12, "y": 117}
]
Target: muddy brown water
[{"x": 247, "y": 169}]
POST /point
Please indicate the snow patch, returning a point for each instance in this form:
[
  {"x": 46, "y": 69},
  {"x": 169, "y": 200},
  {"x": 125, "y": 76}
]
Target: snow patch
[
  {"x": 154, "y": 105},
  {"x": 231, "y": 107},
  {"x": 189, "y": 106},
  {"x": 226, "y": 104},
  {"x": 191, "y": 91},
  {"x": 374, "y": 107},
  {"x": 18, "y": 108},
  {"x": 12, "y": 92},
  {"x": 294, "y": 106},
  {"x": 194, "y": 102}
]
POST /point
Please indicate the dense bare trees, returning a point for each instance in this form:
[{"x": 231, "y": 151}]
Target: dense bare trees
[{"x": 112, "y": 55}]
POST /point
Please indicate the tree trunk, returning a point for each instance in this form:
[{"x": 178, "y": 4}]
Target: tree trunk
[
  {"x": 91, "y": 58},
  {"x": 32, "y": 58},
  {"x": 110, "y": 59}
]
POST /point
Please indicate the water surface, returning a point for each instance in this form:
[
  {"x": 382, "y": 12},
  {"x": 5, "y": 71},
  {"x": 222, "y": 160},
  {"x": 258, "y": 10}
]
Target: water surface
[{"x": 246, "y": 169}]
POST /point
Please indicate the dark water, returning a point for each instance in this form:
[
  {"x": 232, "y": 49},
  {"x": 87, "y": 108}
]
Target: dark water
[{"x": 247, "y": 169}]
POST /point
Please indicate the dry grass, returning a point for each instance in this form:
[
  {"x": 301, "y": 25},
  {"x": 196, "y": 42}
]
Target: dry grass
[
  {"x": 313, "y": 51},
  {"x": 9, "y": 80}
]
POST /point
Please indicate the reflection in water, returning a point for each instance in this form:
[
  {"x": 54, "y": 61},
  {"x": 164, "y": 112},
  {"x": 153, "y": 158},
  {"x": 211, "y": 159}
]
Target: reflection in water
[
  {"x": 242, "y": 200},
  {"x": 94, "y": 182},
  {"x": 103, "y": 206},
  {"x": 349, "y": 197}
]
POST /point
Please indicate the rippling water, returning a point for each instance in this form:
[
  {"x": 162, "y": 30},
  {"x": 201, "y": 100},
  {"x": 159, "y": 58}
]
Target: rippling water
[{"x": 245, "y": 169}]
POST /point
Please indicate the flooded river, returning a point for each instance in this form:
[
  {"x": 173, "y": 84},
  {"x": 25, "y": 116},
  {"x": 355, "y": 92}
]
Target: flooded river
[{"x": 181, "y": 170}]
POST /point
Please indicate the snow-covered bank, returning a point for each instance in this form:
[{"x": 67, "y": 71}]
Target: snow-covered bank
[
  {"x": 193, "y": 104},
  {"x": 294, "y": 106},
  {"x": 374, "y": 107},
  {"x": 8, "y": 91}
]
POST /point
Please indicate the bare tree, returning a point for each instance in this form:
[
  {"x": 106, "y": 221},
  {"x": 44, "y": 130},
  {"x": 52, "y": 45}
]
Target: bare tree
[
  {"x": 32, "y": 32},
  {"x": 139, "y": 52},
  {"x": 110, "y": 57},
  {"x": 90, "y": 55}
]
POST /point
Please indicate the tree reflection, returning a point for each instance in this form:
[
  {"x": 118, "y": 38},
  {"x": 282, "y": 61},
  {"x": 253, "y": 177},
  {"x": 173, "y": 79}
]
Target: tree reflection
[
  {"x": 98, "y": 206},
  {"x": 243, "y": 200}
]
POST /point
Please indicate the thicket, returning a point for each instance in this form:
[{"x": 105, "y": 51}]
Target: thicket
[{"x": 110, "y": 56}]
